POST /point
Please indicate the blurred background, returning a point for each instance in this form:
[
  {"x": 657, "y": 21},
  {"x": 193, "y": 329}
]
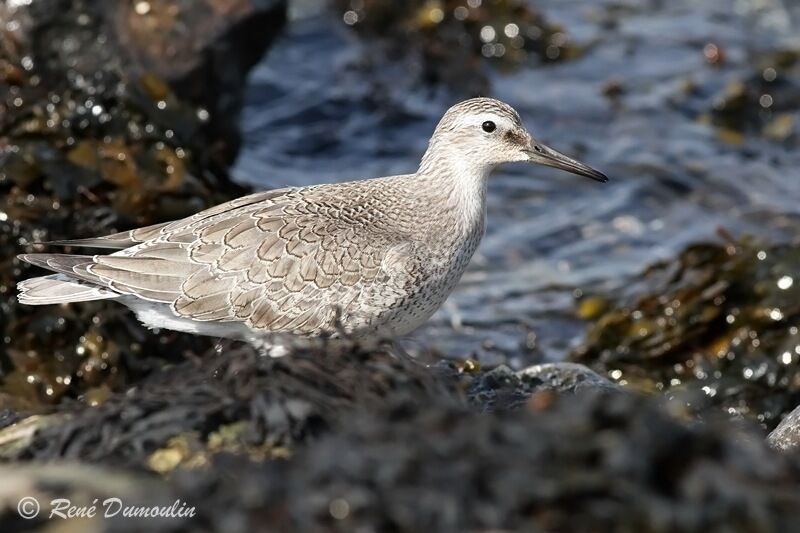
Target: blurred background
[{"x": 678, "y": 280}]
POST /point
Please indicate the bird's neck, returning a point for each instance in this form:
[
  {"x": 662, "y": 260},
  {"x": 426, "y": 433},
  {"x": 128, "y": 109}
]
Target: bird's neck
[{"x": 457, "y": 193}]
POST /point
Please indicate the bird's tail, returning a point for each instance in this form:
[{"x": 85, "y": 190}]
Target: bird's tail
[{"x": 58, "y": 289}]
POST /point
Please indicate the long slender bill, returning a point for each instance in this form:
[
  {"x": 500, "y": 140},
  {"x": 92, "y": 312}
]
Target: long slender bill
[{"x": 544, "y": 155}]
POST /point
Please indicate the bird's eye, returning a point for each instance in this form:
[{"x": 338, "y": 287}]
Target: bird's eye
[{"x": 488, "y": 126}]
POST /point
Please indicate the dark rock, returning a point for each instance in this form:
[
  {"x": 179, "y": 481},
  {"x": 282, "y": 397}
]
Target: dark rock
[
  {"x": 751, "y": 104},
  {"x": 452, "y": 42},
  {"x": 502, "y": 388},
  {"x": 8, "y": 417},
  {"x": 362, "y": 441},
  {"x": 720, "y": 320},
  {"x": 566, "y": 377},
  {"x": 110, "y": 119},
  {"x": 202, "y": 49}
]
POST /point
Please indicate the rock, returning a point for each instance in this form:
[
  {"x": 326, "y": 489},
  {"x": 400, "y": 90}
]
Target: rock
[
  {"x": 502, "y": 388},
  {"x": 786, "y": 437},
  {"x": 126, "y": 113},
  {"x": 186, "y": 42},
  {"x": 764, "y": 101},
  {"x": 349, "y": 441},
  {"x": 566, "y": 377},
  {"x": 8, "y": 417},
  {"x": 719, "y": 321},
  {"x": 450, "y": 42},
  {"x": 361, "y": 441},
  {"x": 202, "y": 49}
]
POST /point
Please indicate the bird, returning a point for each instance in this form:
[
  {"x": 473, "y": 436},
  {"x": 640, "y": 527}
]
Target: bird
[{"x": 365, "y": 258}]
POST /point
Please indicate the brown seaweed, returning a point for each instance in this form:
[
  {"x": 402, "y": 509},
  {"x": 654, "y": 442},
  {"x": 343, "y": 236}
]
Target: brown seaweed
[
  {"x": 98, "y": 133},
  {"x": 721, "y": 320},
  {"x": 357, "y": 440},
  {"x": 451, "y": 42}
]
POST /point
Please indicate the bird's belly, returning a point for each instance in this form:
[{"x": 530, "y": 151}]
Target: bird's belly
[
  {"x": 160, "y": 316},
  {"x": 411, "y": 317},
  {"x": 408, "y": 313}
]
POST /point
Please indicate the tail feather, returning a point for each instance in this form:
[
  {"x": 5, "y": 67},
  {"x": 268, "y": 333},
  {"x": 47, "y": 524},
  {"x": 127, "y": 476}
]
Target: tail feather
[
  {"x": 65, "y": 263},
  {"x": 58, "y": 288},
  {"x": 108, "y": 276},
  {"x": 117, "y": 241}
]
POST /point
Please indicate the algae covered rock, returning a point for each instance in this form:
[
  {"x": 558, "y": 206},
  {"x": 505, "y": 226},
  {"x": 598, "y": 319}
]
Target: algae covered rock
[
  {"x": 358, "y": 440},
  {"x": 719, "y": 323},
  {"x": 502, "y": 388},
  {"x": 112, "y": 115},
  {"x": 450, "y": 42}
]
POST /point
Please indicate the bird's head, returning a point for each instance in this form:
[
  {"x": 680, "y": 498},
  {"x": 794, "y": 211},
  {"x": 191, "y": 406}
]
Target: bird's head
[{"x": 484, "y": 133}]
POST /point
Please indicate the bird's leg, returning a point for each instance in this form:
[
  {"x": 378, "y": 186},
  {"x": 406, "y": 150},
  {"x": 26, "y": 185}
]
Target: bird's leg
[{"x": 396, "y": 350}]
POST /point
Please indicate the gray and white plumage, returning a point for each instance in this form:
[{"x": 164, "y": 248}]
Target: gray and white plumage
[{"x": 370, "y": 257}]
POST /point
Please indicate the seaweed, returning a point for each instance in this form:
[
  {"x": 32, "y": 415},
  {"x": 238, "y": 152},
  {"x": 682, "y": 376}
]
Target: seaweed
[
  {"x": 717, "y": 327},
  {"x": 451, "y": 42},
  {"x": 354, "y": 439},
  {"x": 98, "y": 134}
]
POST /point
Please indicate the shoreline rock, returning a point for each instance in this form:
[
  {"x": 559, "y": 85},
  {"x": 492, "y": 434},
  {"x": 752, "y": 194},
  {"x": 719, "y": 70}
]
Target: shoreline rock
[
  {"x": 361, "y": 440},
  {"x": 113, "y": 115}
]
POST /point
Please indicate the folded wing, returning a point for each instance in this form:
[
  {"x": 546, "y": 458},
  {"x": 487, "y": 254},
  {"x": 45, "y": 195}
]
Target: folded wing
[{"x": 271, "y": 260}]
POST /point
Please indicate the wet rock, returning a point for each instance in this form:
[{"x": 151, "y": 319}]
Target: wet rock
[
  {"x": 358, "y": 440},
  {"x": 765, "y": 101},
  {"x": 786, "y": 437},
  {"x": 418, "y": 459},
  {"x": 202, "y": 50},
  {"x": 8, "y": 417},
  {"x": 104, "y": 127},
  {"x": 450, "y": 42},
  {"x": 502, "y": 388},
  {"x": 566, "y": 377},
  {"x": 235, "y": 400},
  {"x": 720, "y": 321}
]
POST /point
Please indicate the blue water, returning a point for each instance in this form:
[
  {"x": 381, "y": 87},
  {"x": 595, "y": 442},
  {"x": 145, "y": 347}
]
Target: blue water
[{"x": 324, "y": 107}]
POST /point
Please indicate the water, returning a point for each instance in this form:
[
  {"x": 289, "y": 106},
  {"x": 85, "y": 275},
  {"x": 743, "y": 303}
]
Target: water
[{"x": 315, "y": 113}]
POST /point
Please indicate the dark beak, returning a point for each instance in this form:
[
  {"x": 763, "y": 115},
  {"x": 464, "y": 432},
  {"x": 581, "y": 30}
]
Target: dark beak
[{"x": 544, "y": 155}]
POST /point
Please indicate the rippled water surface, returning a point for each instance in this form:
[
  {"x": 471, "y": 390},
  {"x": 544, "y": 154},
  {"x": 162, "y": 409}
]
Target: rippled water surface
[{"x": 641, "y": 103}]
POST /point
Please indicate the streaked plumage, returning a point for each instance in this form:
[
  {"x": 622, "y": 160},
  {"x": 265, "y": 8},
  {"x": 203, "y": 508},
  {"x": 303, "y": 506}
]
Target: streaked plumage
[{"x": 365, "y": 257}]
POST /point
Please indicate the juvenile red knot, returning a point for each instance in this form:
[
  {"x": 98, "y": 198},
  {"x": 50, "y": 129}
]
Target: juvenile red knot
[{"x": 370, "y": 258}]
